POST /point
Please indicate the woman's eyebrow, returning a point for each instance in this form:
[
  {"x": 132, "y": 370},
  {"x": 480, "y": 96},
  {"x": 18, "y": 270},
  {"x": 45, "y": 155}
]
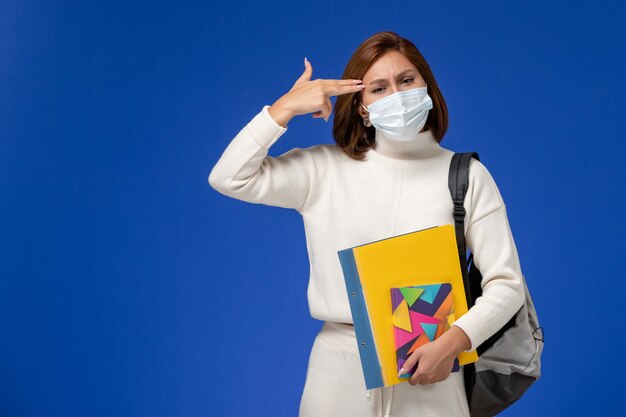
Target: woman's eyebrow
[{"x": 400, "y": 75}]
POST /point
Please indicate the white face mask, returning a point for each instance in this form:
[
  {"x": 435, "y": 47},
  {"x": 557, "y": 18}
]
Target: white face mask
[{"x": 401, "y": 115}]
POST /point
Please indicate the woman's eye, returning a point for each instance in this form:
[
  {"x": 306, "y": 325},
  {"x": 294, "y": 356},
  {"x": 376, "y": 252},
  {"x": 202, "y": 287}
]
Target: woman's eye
[{"x": 374, "y": 91}]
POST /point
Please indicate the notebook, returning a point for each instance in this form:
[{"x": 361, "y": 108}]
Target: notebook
[
  {"x": 419, "y": 258},
  {"x": 420, "y": 314}
]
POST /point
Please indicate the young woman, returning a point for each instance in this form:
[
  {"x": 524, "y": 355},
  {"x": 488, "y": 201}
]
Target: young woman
[{"x": 386, "y": 175}]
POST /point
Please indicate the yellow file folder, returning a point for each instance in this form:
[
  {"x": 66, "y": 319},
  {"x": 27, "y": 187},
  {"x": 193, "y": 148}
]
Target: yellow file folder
[{"x": 423, "y": 257}]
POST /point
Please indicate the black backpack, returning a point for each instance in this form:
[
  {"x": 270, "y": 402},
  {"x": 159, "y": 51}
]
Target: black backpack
[{"x": 510, "y": 360}]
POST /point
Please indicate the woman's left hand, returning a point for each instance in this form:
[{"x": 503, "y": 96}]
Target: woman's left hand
[{"x": 436, "y": 358}]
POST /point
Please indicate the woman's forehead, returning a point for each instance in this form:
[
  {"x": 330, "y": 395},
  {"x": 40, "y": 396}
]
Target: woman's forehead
[{"x": 390, "y": 65}]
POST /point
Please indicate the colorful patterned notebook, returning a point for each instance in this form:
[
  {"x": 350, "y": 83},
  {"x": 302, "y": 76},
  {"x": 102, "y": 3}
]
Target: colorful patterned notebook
[
  {"x": 421, "y": 313},
  {"x": 423, "y": 257}
]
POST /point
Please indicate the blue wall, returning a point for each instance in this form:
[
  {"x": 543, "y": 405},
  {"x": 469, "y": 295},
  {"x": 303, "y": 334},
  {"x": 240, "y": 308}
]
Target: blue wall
[{"x": 124, "y": 277}]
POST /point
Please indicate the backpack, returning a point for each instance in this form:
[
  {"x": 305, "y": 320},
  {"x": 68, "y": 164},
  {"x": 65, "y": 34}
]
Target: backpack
[{"x": 510, "y": 360}]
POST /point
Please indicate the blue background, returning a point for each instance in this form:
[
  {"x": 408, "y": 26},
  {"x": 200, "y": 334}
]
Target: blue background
[{"x": 126, "y": 281}]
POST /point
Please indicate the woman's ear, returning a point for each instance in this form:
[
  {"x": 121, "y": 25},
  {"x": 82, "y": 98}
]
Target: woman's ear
[{"x": 362, "y": 111}]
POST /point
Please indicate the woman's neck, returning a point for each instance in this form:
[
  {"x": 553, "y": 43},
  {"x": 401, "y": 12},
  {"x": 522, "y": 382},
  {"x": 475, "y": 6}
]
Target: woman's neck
[{"x": 422, "y": 145}]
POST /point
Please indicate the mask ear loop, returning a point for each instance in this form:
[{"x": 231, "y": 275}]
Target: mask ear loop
[{"x": 366, "y": 120}]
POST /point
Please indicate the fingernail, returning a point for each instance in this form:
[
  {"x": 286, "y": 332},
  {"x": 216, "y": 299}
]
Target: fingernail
[
  {"x": 305, "y": 61},
  {"x": 401, "y": 371},
  {"x": 357, "y": 81}
]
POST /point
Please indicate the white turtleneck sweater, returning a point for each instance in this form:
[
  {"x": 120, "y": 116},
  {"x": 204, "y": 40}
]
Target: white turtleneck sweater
[{"x": 400, "y": 187}]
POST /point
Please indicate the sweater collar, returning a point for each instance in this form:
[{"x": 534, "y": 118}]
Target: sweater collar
[{"x": 422, "y": 146}]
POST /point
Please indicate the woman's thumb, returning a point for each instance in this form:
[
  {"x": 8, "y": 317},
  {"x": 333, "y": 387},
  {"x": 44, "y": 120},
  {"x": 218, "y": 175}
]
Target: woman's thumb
[{"x": 308, "y": 71}]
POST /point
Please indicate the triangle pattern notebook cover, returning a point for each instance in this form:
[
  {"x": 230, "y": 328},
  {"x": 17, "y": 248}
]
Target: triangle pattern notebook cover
[
  {"x": 420, "y": 258},
  {"x": 420, "y": 314}
]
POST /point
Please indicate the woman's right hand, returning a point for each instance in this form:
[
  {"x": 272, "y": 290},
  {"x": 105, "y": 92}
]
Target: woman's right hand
[{"x": 308, "y": 96}]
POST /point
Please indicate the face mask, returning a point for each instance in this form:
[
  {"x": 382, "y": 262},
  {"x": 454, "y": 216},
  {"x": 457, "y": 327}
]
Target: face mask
[{"x": 401, "y": 115}]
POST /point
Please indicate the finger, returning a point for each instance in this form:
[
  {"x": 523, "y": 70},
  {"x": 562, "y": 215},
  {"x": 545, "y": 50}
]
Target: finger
[
  {"x": 416, "y": 378},
  {"x": 422, "y": 376},
  {"x": 411, "y": 361},
  {"x": 329, "y": 110},
  {"x": 308, "y": 72},
  {"x": 426, "y": 379},
  {"x": 339, "y": 89},
  {"x": 342, "y": 81},
  {"x": 323, "y": 114},
  {"x": 325, "y": 111},
  {"x": 406, "y": 367}
]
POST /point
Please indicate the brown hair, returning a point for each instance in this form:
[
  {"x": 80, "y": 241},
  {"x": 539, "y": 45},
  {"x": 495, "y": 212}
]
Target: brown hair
[{"x": 350, "y": 134}]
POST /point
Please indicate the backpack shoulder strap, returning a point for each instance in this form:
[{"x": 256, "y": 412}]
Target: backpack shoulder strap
[{"x": 458, "y": 182}]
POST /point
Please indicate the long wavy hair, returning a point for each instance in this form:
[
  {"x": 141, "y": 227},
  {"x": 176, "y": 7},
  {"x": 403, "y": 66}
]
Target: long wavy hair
[{"x": 349, "y": 132}]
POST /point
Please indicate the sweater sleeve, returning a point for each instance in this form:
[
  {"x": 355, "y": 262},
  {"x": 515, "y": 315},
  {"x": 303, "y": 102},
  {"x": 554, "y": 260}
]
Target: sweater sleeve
[
  {"x": 489, "y": 238},
  {"x": 246, "y": 172}
]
